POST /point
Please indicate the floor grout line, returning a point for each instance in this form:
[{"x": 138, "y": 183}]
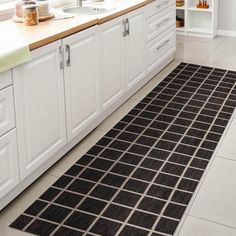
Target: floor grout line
[{"x": 211, "y": 221}]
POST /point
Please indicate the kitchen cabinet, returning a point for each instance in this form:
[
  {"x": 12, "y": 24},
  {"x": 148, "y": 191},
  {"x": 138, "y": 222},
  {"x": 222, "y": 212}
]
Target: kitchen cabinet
[
  {"x": 81, "y": 81},
  {"x": 135, "y": 47},
  {"x": 9, "y": 173},
  {"x": 159, "y": 47},
  {"x": 160, "y": 33},
  {"x": 111, "y": 63},
  {"x": 5, "y": 79},
  {"x": 7, "y": 116},
  {"x": 73, "y": 84},
  {"x": 122, "y": 53},
  {"x": 40, "y": 107}
]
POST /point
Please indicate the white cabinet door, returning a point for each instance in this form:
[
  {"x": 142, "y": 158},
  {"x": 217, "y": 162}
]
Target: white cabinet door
[
  {"x": 40, "y": 108},
  {"x": 9, "y": 172},
  {"x": 111, "y": 59},
  {"x": 5, "y": 79},
  {"x": 81, "y": 85},
  {"x": 135, "y": 47},
  {"x": 7, "y": 116}
]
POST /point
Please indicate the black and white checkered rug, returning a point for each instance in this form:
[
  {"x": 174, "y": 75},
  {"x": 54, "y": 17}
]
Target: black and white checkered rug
[{"x": 139, "y": 178}]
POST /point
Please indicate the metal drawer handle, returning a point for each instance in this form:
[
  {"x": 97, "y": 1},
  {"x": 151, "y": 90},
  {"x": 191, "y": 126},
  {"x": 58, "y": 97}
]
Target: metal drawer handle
[
  {"x": 167, "y": 41},
  {"x": 124, "y": 28},
  {"x": 127, "y": 26},
  {"x": 61, "y": 52},
  {"x": 68, "y": 63},
  {"x": 158, "y": 6},
  {"x": 161, "y": 23}
]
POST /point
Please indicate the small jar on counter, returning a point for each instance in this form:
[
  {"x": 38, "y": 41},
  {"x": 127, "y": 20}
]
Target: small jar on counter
[
  {"x": 43, "y": 7},
  {"x": 30, "y": 15},
  {"x": 19, "y": 4}
]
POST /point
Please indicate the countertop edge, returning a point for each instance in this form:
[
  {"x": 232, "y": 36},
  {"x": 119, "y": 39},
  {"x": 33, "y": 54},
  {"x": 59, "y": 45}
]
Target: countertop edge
[
  {"x": 63, "y": 34},
  {"x": 122, "y": 12},
  {"x": 37, "y": 42}
]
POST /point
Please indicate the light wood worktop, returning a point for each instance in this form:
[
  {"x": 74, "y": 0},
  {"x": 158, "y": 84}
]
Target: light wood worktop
[{"x": 49, "y": 31}]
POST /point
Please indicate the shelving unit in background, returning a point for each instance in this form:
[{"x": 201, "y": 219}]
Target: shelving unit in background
[{"x": 198, "y": 22}]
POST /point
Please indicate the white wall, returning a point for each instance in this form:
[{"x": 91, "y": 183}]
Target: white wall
[{"x": 227, "y": 15}]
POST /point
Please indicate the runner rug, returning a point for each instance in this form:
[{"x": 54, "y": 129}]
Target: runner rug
[{"x": 139, "y": 178}]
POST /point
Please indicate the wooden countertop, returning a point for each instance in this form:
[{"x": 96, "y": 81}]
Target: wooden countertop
[{"x": 49, "y": 31}]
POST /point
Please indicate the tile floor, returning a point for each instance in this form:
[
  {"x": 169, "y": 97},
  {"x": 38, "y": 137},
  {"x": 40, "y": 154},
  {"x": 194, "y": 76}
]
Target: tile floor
[{"x": 212, "y": 209}]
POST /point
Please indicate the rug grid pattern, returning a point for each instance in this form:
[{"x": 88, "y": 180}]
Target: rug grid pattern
[{"x": 139, "y": 178}]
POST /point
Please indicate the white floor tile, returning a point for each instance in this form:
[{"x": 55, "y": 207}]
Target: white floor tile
[
  {"x": 196, "y": 50},
  {"x": 228, "y": 147},
  {"x": 220, "y": 60},
  {"x": 195, "y": 55},
  {"x": 188, "y": 42},
  {"x": 229, "y": 43},
  {"x": 224, "y": 56},
  {"x": 198, "y": 227},
  {"x": 216, "y": 198}
]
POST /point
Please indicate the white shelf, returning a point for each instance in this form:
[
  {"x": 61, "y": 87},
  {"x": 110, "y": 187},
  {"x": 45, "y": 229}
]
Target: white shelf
[
  {"x": 180, "y": 29},
  {"x": 194, "y": 8},
  {"x": 201, "y": 22},
  {"x": 199, "y": 30},
  {"x": 180, "y": 8}
]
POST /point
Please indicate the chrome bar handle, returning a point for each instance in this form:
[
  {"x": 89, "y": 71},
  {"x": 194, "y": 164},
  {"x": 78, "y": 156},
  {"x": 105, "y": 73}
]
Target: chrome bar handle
[
  {"x": 167, "y": 41},
  {"x": 158, "y": 6},
  {"x": 68, "y": 62},
  {"x": 61, "y": 51},
  {"x": 124, "y": 28},
  {"x": 161, "y": 23},
  {"x": 127, "y": 26}
]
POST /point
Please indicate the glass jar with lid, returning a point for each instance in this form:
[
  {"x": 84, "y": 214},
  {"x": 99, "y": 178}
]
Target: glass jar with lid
[{"x": 30, "y": 15}]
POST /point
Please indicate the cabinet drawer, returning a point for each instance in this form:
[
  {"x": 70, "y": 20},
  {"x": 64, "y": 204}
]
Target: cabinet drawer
[
  {"x": 5, "y": 79},
  {"x": 7, "y": 116},
  {"x": 9, "y": 172},
  {"x": 157, "y": 6},
  {"x": 159, "y": 47},
  {"x": 160, "y": 22}
]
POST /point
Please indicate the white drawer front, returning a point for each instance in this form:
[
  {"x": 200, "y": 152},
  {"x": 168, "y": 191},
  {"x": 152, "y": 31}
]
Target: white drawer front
[
  {"x": 7, "y": 116},
  {"x": 9, "y": 172},
  {"x": 160, "y": 22},
  {"x": 158, "y": 47},
  {"x": 5, "y": 79},
  {"x": 157, "y": 6}
]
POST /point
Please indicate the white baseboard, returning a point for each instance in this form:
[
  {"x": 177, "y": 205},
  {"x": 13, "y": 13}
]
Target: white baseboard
[{"x": 226, "y": 33}]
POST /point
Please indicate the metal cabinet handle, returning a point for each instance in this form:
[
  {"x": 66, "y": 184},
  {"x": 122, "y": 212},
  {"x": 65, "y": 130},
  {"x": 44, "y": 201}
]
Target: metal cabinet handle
[
  {"x": 161, "y": 23},
  {"x": 158, "y": 6},
  {"x": 127, "y": 26},
  {"x": 124, "y": 28},
  {"x": 68, "y": 62},
  {"x": 167, "y": 41},
  {"x": 61, "y": 51}
]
